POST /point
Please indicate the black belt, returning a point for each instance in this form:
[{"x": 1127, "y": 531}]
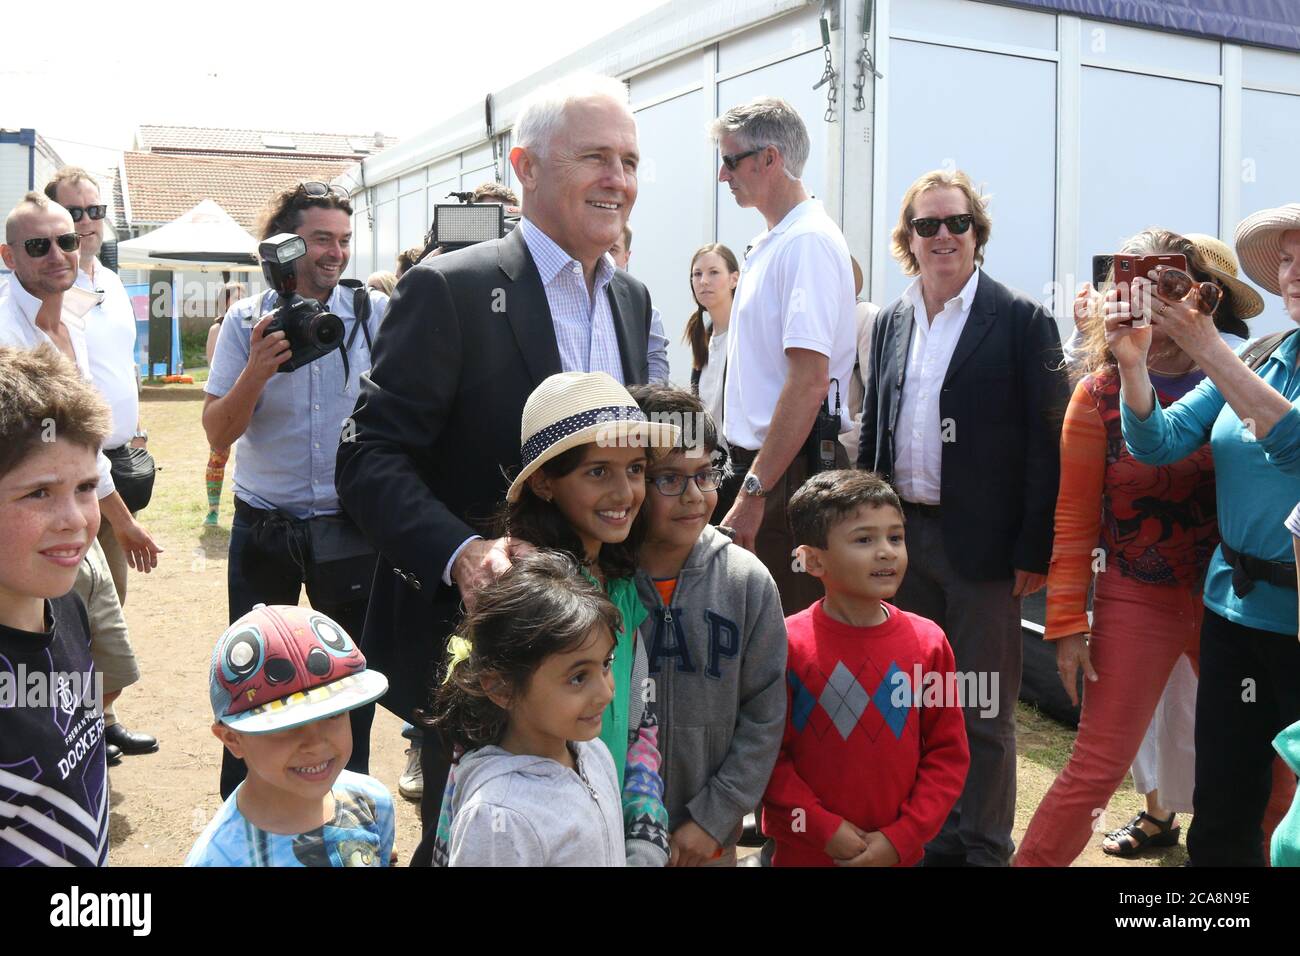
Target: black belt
[
  {"x": 1248, "y": 570},
  {"x": 930, "y": 511}
]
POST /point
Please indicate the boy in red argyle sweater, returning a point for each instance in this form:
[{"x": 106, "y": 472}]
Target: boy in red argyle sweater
[{"x": 870, "y": 763}]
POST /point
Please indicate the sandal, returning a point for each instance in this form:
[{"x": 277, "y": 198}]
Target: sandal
[{"x": 1138, "y": 839}]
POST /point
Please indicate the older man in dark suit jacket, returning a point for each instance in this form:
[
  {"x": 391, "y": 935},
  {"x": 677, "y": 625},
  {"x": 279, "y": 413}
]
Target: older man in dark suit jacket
[
  {"x": 468, "y": 335},
  {"x": 963, "y": 415}
]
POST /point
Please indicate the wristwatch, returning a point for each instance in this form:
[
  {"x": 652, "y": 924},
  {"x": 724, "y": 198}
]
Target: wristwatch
[
  {"x": 141, "y": 434},
  {"x": 752, "y": 486}
]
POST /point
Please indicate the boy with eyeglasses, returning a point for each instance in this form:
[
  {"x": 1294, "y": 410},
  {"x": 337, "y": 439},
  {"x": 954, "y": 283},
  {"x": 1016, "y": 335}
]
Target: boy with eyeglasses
[{"x": 717, "y": 642}]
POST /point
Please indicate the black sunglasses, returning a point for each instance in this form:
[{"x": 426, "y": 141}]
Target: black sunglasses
[
  {"x": 94, "y": 212},
  {"x": 929, "y": 226},
  {"x": 735, "y": 159},
  {"x": 38, "y": 248},
  {"x": 319, "y": 190}
]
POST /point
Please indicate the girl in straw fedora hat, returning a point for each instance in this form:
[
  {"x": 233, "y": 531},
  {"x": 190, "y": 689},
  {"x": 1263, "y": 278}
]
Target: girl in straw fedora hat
[{"x": 579, "y": 490}]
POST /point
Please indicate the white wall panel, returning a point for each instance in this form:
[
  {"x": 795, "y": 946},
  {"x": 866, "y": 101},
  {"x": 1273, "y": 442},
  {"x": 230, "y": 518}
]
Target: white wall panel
[
  {"x": 1270, "y": 157},
  {"x": 670, "y": 218},
  {"x": 791, "y": 80},
  {"x": 411, "y": 222},
  {"x": 1128, "y": 182},
  {"x": 975, "y": 21},
  {"x": 1009, "y": 152},
  {"x": 1110, "y": 42},
  {"x": 783, "y": 37}
]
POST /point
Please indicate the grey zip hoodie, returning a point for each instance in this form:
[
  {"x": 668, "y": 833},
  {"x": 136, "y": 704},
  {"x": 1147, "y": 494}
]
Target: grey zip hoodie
[
  {"x": 510, "y": 810},
  {"x": 717, "y": 658}
]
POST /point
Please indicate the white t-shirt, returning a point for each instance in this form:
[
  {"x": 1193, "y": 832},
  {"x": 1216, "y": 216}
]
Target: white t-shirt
[
  {"x": 110, "y": 342},
  {"x": 795, "y": 291},
  {"x": 18, "y": 310},
  {"x": 713, "y": 375}
]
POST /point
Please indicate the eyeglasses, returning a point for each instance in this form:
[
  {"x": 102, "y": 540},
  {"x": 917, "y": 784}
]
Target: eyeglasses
[
  {"x": 38, "y": 248},
  {"x": 735, "y": 159},
  {"x": 673, "y": 485},
  {"x": 929, "y": 226},
  {"x": 94, "y": 212},
  {"x": 1175, "y": 284},
  {"x": 320, "y": 190}
]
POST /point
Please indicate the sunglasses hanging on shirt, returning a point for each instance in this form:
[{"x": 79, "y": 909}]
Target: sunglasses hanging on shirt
[{"x": 38, "y": 248}]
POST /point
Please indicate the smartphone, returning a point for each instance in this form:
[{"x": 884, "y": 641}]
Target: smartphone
[
  {"x": 1128, "y": 268},
  {"x": 1101, "y": 270}
]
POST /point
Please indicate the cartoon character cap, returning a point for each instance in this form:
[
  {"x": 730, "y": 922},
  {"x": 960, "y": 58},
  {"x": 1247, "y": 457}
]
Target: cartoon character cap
[{"x": 280, "y": 667}]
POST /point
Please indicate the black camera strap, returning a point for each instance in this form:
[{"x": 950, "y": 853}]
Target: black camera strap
[{"x": 360, "y": 321}]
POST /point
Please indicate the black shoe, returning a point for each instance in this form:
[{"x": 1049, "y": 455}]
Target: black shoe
[
  {"x": 114, "y": 755},
  {"x": 130, "y": 743}
]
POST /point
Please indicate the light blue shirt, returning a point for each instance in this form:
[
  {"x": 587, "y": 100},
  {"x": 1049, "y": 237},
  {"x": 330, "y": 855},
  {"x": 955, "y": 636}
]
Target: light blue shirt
[
  {"x": 359, "y": 834},
  {"x": 285, "y": 458},
  {"x": 1257, "y": 483},
  {"x": 584, "y": 325}
]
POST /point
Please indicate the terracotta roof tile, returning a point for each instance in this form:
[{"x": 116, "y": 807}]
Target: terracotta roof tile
[
  {"x": 162, "y": 187},
  {"x": 195, "y": 140}
]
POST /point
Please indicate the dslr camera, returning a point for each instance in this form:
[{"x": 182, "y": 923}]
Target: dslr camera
[{"x": 308, "y": 327}]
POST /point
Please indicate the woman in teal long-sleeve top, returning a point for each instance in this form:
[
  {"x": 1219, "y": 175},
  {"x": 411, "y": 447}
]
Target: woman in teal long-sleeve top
[{"x": 1250, "y": 659}]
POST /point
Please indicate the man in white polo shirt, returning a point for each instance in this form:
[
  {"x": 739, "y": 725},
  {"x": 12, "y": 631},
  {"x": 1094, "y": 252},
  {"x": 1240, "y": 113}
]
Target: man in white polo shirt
[
  {"x": 793, "y": 334},
  {"x": 109, "y": 329}
]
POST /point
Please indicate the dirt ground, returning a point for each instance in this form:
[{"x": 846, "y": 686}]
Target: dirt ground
[{"x": 161, "y": 802}]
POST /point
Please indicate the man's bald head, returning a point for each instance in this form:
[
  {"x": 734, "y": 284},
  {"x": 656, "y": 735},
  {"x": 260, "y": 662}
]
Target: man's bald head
[
  {"x": 34, "y": 204},
  {"x": 35, "y": 217}
]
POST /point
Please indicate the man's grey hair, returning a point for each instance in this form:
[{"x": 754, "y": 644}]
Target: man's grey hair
[
  {"x": 542, "y": 113},
  {"x": 766, "y": 121},
  {"x": 31, "y": 200}
]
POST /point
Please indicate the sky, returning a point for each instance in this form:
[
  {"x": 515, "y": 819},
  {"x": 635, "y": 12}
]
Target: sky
[{"x": 317, "y": 67}]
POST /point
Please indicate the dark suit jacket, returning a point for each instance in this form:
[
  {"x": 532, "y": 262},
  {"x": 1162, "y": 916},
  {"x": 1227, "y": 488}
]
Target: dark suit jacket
[
  {"x": 467, "y": 337},
  {"x": 1005, "y": 392}
]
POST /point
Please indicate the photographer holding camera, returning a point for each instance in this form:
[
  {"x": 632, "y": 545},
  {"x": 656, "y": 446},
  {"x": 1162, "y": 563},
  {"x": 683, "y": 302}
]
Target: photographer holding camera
[{"x": 277, "y": 387}]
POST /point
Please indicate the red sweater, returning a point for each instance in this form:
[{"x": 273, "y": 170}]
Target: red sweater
[{"x": 857, "y": 744}]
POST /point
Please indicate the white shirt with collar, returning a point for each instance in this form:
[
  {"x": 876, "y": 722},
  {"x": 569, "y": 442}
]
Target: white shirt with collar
[
  {"x": 795, "y": 291},
  {"x": 18, "y": 310},
  {"x": 918, "y": 436},
  {"x": 110, "y": 337}
]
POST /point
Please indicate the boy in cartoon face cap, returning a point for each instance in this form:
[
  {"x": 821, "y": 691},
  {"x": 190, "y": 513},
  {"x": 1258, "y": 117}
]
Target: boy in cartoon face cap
[{"x": 282, "y": 680}]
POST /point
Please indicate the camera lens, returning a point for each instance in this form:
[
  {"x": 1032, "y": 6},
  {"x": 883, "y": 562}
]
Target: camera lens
[{"x": 325, "y": 330}]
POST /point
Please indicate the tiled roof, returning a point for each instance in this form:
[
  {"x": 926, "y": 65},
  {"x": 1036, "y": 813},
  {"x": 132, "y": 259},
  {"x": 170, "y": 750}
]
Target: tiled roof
[
  {"x": 197, "y": 140},
  {"x": 119, "y": 206},
  {"x": 160, "y": 187}
]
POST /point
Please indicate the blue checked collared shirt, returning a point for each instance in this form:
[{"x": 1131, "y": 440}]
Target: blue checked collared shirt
[
  {"x": 285, "y": 458},
  {"x": 584, "y": 325}
]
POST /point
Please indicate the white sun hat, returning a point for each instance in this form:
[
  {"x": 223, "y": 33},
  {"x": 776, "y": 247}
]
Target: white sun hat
[
  {"x": 576, "y": 408},
  {"x": 1259, "y": 243}
]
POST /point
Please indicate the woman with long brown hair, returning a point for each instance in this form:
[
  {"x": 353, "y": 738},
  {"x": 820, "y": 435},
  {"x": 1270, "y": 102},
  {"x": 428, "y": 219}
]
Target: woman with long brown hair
[
  {"x": 1157, "y": 529},
  {"x": 714, "y": 274}
]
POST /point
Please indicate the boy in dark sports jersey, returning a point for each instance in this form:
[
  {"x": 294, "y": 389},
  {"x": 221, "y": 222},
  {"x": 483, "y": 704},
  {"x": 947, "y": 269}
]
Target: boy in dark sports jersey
[{"x": 53, "y": 779}]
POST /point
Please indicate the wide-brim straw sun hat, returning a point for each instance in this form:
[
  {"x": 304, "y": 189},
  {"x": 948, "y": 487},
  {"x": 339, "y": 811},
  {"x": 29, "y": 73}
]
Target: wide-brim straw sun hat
[
  {"x": 576, "y": 408},
  {"x": 1259, "y": 243},
  {"x": 1222, "y": 265}
]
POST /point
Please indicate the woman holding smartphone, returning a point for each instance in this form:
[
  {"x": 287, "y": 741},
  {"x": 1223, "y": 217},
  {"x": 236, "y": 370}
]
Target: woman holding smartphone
[
  {"x": 1250, "y": 660},
  {"x": 1156, "y": 526}
]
